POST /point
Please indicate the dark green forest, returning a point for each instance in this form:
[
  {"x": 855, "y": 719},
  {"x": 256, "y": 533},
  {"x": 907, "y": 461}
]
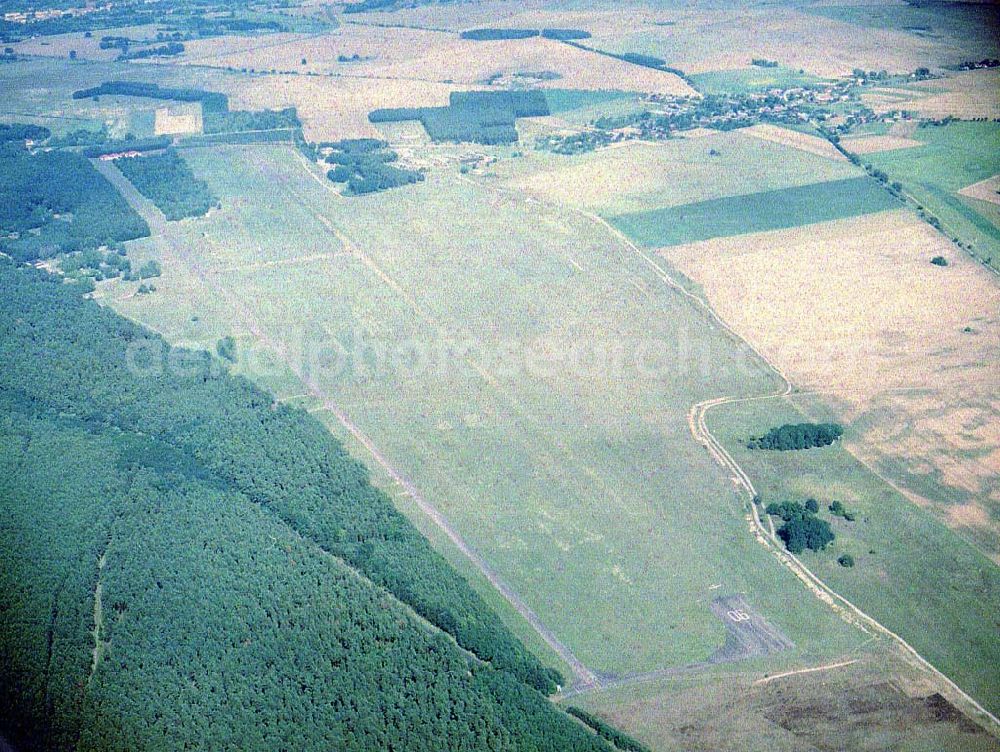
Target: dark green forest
[
  {"x": 188, "y": 565},
  {"x": 485, "y": 117},
  {"x": 167, "y": 181},
  {"x": 54, "y": 202}
]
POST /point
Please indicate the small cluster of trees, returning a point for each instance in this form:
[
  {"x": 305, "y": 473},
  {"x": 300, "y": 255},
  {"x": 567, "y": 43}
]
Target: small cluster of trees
[
  {"x": 230, "y": 121},
  {"x": 226, "y": 348},
  {"x": 363, "y": 164},
  {"x": 21, "y": 132},
  {"x": 167, "y": 181},
  {"x": 798, "y": 436},
  {"x": 986, "y": 62},
  {"x": 764, "y": 63},
  {"x": 573, "y": 143},
  {"x": 801, "y": 528},
  {"x": 164, "y": 50},
  {"x": 837, "y": 509}
]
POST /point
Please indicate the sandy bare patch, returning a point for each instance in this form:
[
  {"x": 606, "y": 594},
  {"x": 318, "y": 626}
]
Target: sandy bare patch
[
  {"x": 969, "y": 515},
  {"x": 871, "y": 144},
  {"x": 854, "y": 309},
  {"x": 985, "y": 190},
  {"x": 802, "y": 141}
]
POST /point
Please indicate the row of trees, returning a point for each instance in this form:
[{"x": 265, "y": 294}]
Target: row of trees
[
  {"x": 494, "y": 34},
  {"x": 221, "y": 532}
]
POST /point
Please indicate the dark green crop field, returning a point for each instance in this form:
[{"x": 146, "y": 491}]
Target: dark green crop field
[{"x": 755, "y": 212}]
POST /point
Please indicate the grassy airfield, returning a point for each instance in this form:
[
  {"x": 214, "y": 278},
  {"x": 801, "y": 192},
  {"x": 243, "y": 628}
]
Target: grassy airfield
[
  {"x": 459, "y": 302},
  {"x": 587, "y": 512}
]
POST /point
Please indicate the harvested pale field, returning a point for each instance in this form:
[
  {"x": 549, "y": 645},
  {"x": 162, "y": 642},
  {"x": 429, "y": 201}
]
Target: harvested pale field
[
  {"x": 335, "y": 108},
  {"x": 797, "y": 140},
  {"x": 854, "y": 309},
  {"x": 862, "y": 309},
  {"x": 968, "y": 94},
  {"x": 469, "y": 62},
  {"x": 871, "y": 144},
  {"x": 285, "y": 52},
  {"x": 530, "y": 14},
  {"x": 422, "y": 55},
  {"x": 60, "y": 45},
  {"x": 638, "y": 176},
  {"x": 984, "y": 190},
  {"x": 702, "y": 41}
]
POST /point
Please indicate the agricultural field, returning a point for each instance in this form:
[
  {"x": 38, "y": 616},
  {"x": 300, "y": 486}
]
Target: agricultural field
[
  {"x": 705, "y": 41},
  {"x": 402, "y": 53},
  {"x": 636, "y": 176},
  {"x": 486, "y": 441},
  {"x": 752, "y": 78},
  {"x": 755, "y": 212},
  {"x": 555, "y": 356},
  {"x": 949, "y": 160},
  {"x": 873, "y": 325},
  {"x": 946, "y": 590}
]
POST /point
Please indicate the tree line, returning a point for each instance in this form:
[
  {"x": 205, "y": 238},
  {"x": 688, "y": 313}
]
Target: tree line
[{"x": 226, "y": 536}]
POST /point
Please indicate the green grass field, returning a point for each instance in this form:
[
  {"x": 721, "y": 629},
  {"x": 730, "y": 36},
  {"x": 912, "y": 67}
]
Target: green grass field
[
  {"x": 563, "y": 100},
  {"x": 953, "y": 157},
  {"x": 752, "y": 79},
  {"x": 917, "y": 577},
  {"x": 577, "y": 479},
  {"x": 755, "y": 212}
]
